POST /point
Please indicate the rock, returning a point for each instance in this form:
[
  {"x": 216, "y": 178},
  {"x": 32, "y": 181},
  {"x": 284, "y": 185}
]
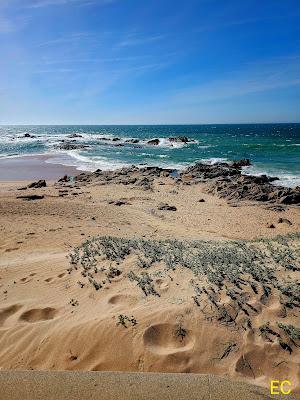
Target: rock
[
  {"x": 153, "y": 142},
  {"x": 245, "y": 162},
  {"x": 27, "y": 135},
  {"x": 64, "y": 179},
  {"x": 284, "y": 221},
  {"x": 293, "y": 198},
  {"x": 201, "y": 201},
  {"x": 272, "y": 226},
  {"x": 37, "y": 185},
  {"x": 166, "y": 207},
  {"x": 134, "y": 141},
  {"x": 227, "y": 181},
  {"x": 180, "y": 139},
  {"x": 71, "y": 146},
  {"x": 276, "y": 208},
  {"x": 115, "y": 139},
  {"x": 74, "y": 135},
  {"x": 121, "y": 202},
  {"x": 31, "y": 197}
]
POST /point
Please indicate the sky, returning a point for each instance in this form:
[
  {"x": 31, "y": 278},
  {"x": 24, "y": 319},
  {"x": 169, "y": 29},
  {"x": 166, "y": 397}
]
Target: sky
[{"x": 149, "y": 62}]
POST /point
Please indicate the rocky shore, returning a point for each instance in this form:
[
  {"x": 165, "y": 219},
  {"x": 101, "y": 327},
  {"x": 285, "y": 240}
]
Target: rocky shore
[{"x": 225, "y": 180}]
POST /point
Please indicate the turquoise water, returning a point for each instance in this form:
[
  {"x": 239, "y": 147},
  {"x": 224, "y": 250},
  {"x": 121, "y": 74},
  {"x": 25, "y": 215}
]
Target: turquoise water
[{"x": 274, "y": 149}]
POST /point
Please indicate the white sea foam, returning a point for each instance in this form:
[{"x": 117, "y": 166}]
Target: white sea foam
[
  {"x": 84, "y": 163},
  {"x": 285, "y": 179},
  {"x": 167, "y": 143},
  {"x": 213, "y": 160}
]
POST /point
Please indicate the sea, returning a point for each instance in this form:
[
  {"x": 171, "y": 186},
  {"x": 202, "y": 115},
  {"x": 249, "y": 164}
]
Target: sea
[{"x": 274, "y": 149}]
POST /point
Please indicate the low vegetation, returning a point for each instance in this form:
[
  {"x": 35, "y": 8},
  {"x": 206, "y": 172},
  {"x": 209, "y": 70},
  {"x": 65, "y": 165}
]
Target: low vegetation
[{"x": 231, "y": 280}]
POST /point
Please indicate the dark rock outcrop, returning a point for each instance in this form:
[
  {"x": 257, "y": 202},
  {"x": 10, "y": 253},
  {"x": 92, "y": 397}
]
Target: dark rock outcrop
[
  {"x": 71, "y": 146},
  {"x": 153, "y": 142},
  {"x": 31, "y": 197},
  {"x": 181, "y": 139},
  {"x": 222, "y": 179},
  {"x": 121, "y": 202},
  {"x": 226, "y": 181},
  {"x": 139, "y": 177},
  {"x": 75, "y": 135},
  {"x": 166, "y": 207},
  {"x": 245, "y": 162},
  {"x": 65, "y": 178},
  {"x": 37, "y": 185},
  {"x": 133, "y": 141}
]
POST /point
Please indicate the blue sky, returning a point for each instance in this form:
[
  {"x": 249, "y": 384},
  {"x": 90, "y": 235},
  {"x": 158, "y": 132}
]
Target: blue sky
[{"x": 154, "y": 61}]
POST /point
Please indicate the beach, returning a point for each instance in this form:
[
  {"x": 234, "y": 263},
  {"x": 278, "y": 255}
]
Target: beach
[
  {"x": 130, "y": 305},
  {"x": 149, "y": 200}
]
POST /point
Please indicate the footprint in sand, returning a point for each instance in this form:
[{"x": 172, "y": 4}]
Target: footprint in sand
[
  {"x": 38, "y": 314},
  {"x": 27, "y": 278},
  {"x": 7, "y": 312},
  {"x": 12, "y": 249},
  {"x": 122, "y": 300},
  {"x": 162, "y": 285},
  {"x": 163, "y": 339},
  {"x": 50, "y": 279}
]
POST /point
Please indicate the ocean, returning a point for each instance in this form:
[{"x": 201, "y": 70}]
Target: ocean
[{"x": 274, "y": 149}]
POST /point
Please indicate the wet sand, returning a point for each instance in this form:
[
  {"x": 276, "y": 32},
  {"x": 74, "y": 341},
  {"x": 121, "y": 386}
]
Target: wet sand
[{"x": 32, "y": 168}]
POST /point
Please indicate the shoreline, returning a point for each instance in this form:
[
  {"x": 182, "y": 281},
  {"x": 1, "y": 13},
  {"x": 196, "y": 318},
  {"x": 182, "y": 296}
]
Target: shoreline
[
  {"x": 36, "y": 166},
  {"x": 33, "y": 167}
]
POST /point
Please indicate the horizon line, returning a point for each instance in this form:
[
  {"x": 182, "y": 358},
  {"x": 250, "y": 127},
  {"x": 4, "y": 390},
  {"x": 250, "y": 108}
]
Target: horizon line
[{"x": 157, "y": 124}]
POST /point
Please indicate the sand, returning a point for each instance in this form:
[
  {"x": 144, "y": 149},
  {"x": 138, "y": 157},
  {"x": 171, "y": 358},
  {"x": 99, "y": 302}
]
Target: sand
[
  {"x": 39, "y": 385},
  {"x": 49, "y": 322}
]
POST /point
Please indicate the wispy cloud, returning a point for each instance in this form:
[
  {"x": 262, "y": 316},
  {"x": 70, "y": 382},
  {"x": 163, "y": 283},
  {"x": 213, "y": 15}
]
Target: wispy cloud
[
  {"x": 11, "y": 25},
  {"x": 73, "y": 37},
  {"x": 260, "y": 77},
  {"x": 218, "y": 25},
  {"x": 47, "y": 3},
  {"x": 134, "y": 40}
]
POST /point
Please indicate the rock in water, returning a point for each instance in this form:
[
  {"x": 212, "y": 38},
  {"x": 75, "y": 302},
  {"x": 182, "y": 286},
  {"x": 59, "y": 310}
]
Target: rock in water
[
  {"x": 245, "y": 162},
  {"x": 71, "y": 146},
  {"x": 153, "y": 142},
  {"x": 74, "y": 135},
  {"x": 180, "y": 139}
]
